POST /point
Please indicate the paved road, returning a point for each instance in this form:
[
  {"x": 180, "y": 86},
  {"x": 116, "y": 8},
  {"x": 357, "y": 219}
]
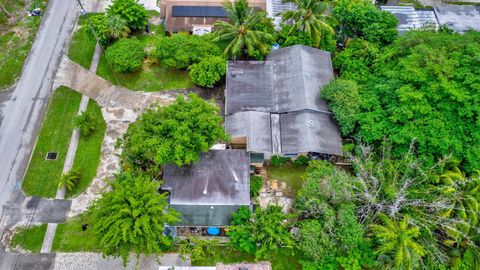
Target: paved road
[{"x": 22, "y": 109}]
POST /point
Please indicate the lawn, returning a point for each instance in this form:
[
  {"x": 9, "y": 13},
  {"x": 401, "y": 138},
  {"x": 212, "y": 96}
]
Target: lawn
[
  {"x": 153, "y": 76},
  {"x": 289, "y": 174},
  {"x": 42, "y": 175},
  {"x": 82, "y": 47},
  {"x": 71, "y": 238},
  {"x": 29, "y": 238},
  {"x": 88, "y": 152},
  {"x": 17, "y": 34},
  {"x": 280, "y": 261}
]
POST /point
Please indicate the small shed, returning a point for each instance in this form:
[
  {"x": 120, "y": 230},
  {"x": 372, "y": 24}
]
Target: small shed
[{"x": 207, "y": 192}]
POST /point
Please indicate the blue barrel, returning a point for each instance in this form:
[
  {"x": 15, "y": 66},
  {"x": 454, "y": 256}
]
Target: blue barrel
[{"x": 213, "y": 231}]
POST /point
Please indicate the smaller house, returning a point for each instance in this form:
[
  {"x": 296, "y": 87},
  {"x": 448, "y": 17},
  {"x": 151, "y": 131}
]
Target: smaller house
[{"x": 207, "y": 192}]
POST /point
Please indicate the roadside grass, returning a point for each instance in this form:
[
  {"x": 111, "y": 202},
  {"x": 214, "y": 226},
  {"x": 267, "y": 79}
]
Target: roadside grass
[
  {"x": 82, "y": 47},
  {"x": 289, "y": 174},
  {"x": 29, "y": 238},
  {"x": 223, "y": 254},
  {"x": 16, "y": 39},
  {"x": 70, "y": 237},
  {"x": 43, "y": 175},
  {"x": 88, "y": 152}
]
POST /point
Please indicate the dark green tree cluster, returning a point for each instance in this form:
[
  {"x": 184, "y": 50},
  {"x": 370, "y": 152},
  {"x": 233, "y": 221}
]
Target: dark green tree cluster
[
  {"x": 131, "y": 218},
  {"x": 125, "y": 55},
  {"x": 423, "y": 88},
  {"x": 209, "y": 71},
  {"x": 260, "y": 233},
  {"x": 121, "y": 18},
  {"x": 176, "y": 134}
]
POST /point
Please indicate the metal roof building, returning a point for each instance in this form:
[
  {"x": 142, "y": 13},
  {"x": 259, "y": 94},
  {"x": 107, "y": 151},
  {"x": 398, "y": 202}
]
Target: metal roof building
[
  {"x": 276, "y": 104},
  {"x": 207, "y": 192},
  {"x": 411, "y": 18}
]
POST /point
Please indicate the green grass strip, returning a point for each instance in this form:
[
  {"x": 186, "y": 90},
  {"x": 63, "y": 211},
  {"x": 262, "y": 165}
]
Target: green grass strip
[
  {"x": 71, "y": 238},
  {"x": 43, "y": 175},
  {"x": 29, "y": 238},
  {"x": 88, "y": 152}
]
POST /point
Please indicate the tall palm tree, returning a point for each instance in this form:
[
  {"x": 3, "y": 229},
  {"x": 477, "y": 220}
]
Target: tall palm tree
[
  {"x": 241, "y": 33},
  {"x": 398, "y": 239},
  {"x": 310, "y": 17}
]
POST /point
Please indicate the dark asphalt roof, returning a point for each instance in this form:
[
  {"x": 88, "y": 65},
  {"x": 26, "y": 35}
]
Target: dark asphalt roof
[{"x": 220, "y": 177}]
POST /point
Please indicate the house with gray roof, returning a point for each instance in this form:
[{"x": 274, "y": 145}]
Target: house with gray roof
[
  {"x": 276, "y": 104},
  {"x": 208, "y": 191}
]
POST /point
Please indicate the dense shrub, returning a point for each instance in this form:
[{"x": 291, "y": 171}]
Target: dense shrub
[
  {"x": 126, "y": 55},
  {"x": 180, "y": 51},
  {"x": 99, "y": 23},
  {"x": 131, "y": 11},
  {"x": 278, "y": 161},
  {"x": 255, "y": 185},
  {"x": 70, "y": 179},
  {"x": 301, "y": 161},
  {"x": 87, "y": 123},
  {"x": 360, "y": 18},
  {"x": 209, "y": 71},
  {"x": 296, "y": 38}
]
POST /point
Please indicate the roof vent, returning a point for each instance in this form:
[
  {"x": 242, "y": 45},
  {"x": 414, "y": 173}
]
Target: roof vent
[
  {"x": 310, "y": 123},
  {"x": 307, "y": 74}
]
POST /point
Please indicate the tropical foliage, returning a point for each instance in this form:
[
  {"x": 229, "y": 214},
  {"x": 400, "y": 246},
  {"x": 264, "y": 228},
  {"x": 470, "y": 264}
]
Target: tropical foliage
[
  {"x": 209, "y": 71},
  {"x": 249, "y": 34},
  {"x": 131, "y": 218},
  {"x": 177, "y": 133},
  {"x": 131, "y": 11},
  {"x": 126, "y": 55},
  {"x": 311, "y": 17},
  {"x": 87, "y": 123},
  {"x": 181, "y": 51},
  {"x": 70, "y": 179}
]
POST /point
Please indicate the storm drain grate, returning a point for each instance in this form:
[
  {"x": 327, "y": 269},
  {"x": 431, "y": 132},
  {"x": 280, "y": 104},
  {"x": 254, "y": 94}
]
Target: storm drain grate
[{"x": 52, "y": 155}]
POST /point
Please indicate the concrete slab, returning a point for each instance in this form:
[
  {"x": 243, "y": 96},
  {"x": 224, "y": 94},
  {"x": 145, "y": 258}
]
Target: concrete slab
[
  {"x": 52, "y": 211},
  {"x": 34, "y": 261},
  {"x": 459, "y": 17},
  {"x": 173, "y": 259},
  {"x": 95, "y": 261}
]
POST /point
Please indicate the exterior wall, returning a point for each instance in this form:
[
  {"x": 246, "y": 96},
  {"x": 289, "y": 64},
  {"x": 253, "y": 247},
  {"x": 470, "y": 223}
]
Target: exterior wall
[
  {"x": 205, "y": 215},
  {"x": 185, "y": 24}
]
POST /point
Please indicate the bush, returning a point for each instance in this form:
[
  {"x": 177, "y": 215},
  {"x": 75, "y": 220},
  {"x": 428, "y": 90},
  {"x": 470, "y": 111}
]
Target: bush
[
  {"x": 344, "y": 101},
  {"x": 70, "y": 180},
  {"x": 87, "y": 123},
  {"x": 301, "y": 161},
  {"x": 278, "y": 161},
  {"x": 131, "y": 11},
  {"x": 209, "y": 71},
  {"x": 126, "y": 55},
  {"x": 99, "y": 23},
  {"x": 181, "y": 51},
  {"x": 255, "y": 185}
]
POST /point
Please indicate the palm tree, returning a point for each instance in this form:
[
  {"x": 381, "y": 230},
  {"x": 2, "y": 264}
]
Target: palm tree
[
  {"x": 398, "y": 239},
  {"x": 309, "y": 17},
  {"x": 242, "y": 33},
  {"x": 117, "y": 27}
]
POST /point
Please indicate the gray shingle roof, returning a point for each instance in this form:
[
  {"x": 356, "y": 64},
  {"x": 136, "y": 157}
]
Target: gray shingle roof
[
  {"x": 289, "y": 80},
  {"x": 276, "y": 104},
  {"x": 220, "y": 177}
]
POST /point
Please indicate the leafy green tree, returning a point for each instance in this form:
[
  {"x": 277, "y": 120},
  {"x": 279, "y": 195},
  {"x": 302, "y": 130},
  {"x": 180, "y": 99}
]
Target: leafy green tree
[
  {"x": 266, "y": 232},
  {"x": 70, "y": 179},
  {"x": 117, "y": 27},
  {"x": 310, "y": 17},
  {"x": 131, "y": 11},
  {"x": 356, "y": 61},
  {"x": 181, "y": 51},
  {"x": 100, "y": 31},
  {"x": 131, "y": 218},
  {"x": 245, "y": 35},
  {"x": 285, "y": 37},
  {"x": 423, "y": 88},
  {"x": 126, "y": 55},
  {"x": 176, "y": 133},
  {"x": 209, "y": 71},
  {"x": 399, "y": 240},
  {"x": 344, "y": 99},
  {"x": 197, "y": 249},
  {"x": 360, "y": 18},
  {"x": 87, "y": 123}
]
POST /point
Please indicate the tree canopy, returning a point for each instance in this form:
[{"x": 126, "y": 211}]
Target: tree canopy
[
  {"x": 131, "y": 11},
  {"x": 176, "y": 133},
  {"x": 423, "y": 88},
  {"x": 125, "y": 55},
  {"x": 181, "y": 51},
  {"x": 209, "y": 71},
  {"x": 131, "y": 218}
]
